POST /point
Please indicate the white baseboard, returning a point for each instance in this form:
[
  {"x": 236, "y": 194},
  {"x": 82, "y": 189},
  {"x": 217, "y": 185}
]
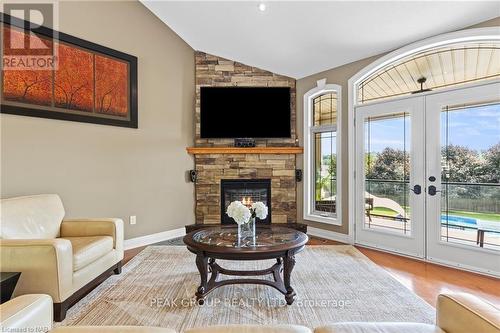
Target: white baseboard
[
  {"x": 327, "y": 234},
  {"x": 153, "y": 238}
]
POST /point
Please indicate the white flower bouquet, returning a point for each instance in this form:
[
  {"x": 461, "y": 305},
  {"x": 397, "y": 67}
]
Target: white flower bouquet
[
  {"x": 259, "y": 210},
  {"x": 245, "y": 216},
  {"x": 242, "y": 214}
]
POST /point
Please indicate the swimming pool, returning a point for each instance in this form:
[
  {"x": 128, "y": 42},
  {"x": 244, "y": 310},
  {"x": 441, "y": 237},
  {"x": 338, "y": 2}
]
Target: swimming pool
[{"x": 458, "y": 221}]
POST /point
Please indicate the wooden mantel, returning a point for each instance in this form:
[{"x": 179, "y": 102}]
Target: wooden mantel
[{"x": 235, "y": 150}]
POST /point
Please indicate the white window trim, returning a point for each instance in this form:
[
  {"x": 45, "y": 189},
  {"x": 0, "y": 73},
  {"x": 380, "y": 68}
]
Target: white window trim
[{"x": 309, "y": 184}]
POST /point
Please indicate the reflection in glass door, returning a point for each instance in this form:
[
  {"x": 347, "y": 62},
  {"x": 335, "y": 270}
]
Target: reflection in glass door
[
  {"x": 387, "y": 173},
  {"x": 389, "y": 176},
  {"x": 463, "y": 171},
  {"x": 470, "y": 188}
]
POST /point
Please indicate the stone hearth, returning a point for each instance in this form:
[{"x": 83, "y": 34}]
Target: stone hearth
[{"x": 212, "y": 168}]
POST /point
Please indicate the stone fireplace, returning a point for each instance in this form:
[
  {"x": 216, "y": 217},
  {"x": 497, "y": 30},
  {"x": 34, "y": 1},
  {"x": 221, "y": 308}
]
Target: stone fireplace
[
  {"x": 215, "y": 170},
  {"x": 217, "y": 161},
  {"x": 247, "y": 191}
]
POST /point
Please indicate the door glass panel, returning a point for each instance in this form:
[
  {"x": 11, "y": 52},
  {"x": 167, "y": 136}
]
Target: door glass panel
[
  {"x": 470, "y": 175},
  {"x": 387, "y": 173},
  {"x": 325, "y": 162}
]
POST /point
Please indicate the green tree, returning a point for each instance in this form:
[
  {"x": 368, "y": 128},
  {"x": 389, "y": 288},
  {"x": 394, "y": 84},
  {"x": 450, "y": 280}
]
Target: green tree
[
  {"x": 490, "y": 172},
  {"x": 324, "y": 182},
  {"x": 331, "y": 162},
  {"x": 370, "y": 160},
  {"x": 390, "y": 164},
  {"x": 461, "y": 164}
]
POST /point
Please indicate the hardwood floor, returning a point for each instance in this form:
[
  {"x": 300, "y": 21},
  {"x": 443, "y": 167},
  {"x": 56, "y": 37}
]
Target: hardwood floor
[
  {"x": 129, "y": 254},
  {"x": 425, "y": 279},
  {"x": 429, "y": 280}
]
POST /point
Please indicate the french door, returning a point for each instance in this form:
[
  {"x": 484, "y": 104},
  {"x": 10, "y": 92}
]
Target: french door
[
  {"x": 463, "y": 169},
  {"x": 427, "y": 177},
  {"x": 389, "y": 176}
]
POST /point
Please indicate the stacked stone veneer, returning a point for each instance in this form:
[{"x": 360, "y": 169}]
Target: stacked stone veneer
[
  {"x": 214, "y": 71},
  {"x": 279, "y": 168}
]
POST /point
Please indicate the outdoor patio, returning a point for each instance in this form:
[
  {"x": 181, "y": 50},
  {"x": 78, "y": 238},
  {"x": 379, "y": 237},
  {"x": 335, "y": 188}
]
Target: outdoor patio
[{"x": 452, "y": 234}]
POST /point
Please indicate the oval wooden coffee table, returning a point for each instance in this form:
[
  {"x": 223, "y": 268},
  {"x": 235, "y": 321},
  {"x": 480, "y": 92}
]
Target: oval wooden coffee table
[{"x": 272, "y": 242}]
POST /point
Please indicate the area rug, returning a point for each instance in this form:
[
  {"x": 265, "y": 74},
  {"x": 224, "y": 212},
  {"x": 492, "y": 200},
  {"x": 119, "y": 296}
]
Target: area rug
[{"x": 333, "y": 284}]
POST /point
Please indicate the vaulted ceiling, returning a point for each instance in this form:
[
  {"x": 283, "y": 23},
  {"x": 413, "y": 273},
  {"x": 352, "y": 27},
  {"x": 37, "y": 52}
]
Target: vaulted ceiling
[{"x": 300, "y": 38}]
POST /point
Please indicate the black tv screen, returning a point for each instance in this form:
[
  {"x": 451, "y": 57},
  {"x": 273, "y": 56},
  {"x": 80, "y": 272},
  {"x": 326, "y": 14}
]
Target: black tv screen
[{"x": 238, "y": 112}]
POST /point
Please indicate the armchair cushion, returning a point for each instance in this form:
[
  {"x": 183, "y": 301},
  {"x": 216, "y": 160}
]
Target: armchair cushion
[
  {"x": 46, "y": 265},
  {"x": 465, "y": 313},
  {"x": 95, "y": 227},
  {"x": 31, "y": 217},
  {"x": 27, "y": 313},
  {"x": 86, "y": 250}
]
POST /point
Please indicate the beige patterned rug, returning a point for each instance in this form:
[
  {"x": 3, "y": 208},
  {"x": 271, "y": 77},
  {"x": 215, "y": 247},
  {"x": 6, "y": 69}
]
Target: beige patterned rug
[{"x": 333, "y": 283}]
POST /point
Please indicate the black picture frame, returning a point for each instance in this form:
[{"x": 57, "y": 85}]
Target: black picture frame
[{"x": 131, "y": 122}]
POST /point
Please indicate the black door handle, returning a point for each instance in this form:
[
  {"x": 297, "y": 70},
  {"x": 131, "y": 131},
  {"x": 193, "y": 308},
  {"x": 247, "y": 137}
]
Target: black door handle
[
  {"x": 417, "y": 189},
  {"x": 433, "y": 190}
]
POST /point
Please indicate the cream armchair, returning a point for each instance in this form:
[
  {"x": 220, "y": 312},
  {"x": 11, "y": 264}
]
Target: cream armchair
[
  {"x": 62, "y": 258},
  {"x": 26, "y": 313}
]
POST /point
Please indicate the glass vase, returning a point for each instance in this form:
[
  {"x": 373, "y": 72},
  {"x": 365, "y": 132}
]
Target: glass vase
[{"x": 246, "y": 232}]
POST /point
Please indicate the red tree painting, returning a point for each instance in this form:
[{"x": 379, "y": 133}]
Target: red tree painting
[
  {"x": 25, "y": 86},
  {"x": 82, "y": 81},
  {"x": 111, "y": 86},
  {"x": 73, "y": 83}
]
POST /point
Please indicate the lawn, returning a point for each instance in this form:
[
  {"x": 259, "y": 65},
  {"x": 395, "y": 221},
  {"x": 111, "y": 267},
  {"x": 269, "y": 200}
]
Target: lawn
[
  {"x": 383, "y": 211},
  {"x": 480, "y": 216}
]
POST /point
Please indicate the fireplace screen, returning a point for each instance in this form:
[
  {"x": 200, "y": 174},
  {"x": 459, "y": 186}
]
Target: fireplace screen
[{"x": 247, "y": 191}]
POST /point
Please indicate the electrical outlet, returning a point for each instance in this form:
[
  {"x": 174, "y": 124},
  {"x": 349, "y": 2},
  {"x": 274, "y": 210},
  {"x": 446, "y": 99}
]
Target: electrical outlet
[{"x": 133, "y": 219}]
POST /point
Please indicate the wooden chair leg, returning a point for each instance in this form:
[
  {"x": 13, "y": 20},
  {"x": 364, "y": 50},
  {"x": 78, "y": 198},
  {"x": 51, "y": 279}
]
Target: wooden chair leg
[
  {"x": 118, "y": 268},
  {"x": 60, "y": 310}
]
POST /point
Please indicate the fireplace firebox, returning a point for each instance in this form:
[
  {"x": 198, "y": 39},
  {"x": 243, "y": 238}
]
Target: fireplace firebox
[{"x": 247, "y": 191}]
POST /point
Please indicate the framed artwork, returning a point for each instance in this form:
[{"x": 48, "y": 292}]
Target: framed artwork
[{"x": 49, "y": 74}]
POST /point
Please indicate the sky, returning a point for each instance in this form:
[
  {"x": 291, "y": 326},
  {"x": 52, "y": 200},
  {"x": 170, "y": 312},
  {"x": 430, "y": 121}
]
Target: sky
[
  {"x": 388, "y": 133},
  {"x": 477, "y": 128}
]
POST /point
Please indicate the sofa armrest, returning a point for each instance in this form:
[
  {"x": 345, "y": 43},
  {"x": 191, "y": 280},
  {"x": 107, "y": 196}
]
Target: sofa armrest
[
  {"x": 94, "y": 227},
  {"x": 464, "y": 313},
  {"x": 46, "y": 265},
  {"x": 27, "y": 313}
]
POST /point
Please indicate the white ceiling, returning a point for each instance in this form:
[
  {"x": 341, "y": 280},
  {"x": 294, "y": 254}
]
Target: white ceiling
[{"x": 300, "y": 38}]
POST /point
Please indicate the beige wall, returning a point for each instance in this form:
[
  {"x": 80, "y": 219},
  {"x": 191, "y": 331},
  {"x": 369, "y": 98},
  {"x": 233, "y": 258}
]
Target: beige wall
[
  {"x": 110, "y": 171},
  {"x": 339, "y": 75}
]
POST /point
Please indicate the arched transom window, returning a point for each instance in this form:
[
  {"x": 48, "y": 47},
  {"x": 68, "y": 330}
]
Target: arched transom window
[
  {"x": 325, "y": 109},
  {"x": 433, "y": 69}
]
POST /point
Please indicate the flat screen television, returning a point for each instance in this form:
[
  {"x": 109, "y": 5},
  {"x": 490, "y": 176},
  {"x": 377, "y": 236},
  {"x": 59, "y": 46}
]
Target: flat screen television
[{"x": 244, "y": 112}]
